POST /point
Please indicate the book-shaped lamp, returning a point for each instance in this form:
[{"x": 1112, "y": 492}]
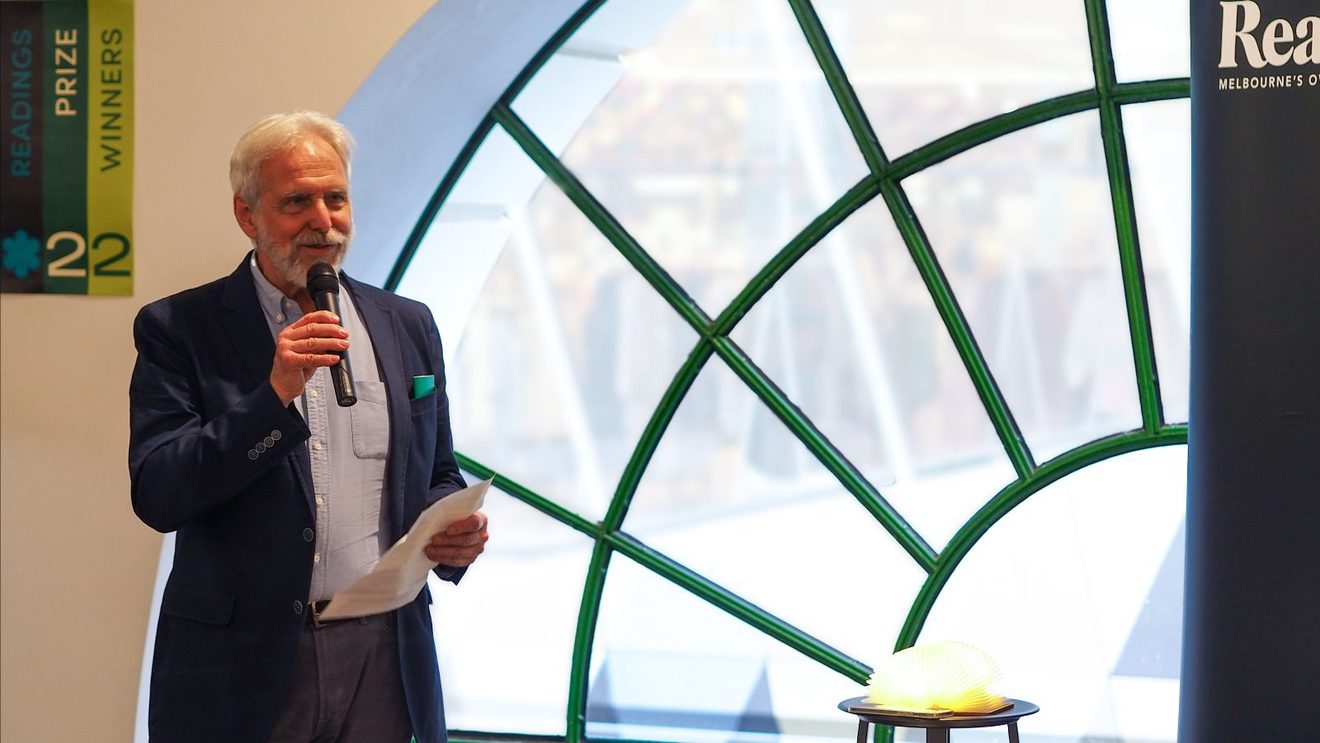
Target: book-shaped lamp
[{"x": 935, "y": 680}]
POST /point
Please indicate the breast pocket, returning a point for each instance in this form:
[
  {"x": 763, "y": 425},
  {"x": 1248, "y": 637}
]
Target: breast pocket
[
  {"x": 423, "y": 406},
  {"x": 370, "y": 420}
]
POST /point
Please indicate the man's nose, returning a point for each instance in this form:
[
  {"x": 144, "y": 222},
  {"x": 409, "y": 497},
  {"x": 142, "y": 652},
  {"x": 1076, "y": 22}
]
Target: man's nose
[{"x": 320, "y": 216}]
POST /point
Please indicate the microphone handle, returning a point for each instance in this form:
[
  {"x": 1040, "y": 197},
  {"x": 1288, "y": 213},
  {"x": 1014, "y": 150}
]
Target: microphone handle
[{"x": 341, "y": 374}]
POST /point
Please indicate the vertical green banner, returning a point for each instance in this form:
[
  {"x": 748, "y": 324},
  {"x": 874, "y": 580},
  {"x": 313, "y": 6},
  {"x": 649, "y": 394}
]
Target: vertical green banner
[
  {"x": 110, "y": 147},
  {"x": 20, "y": 147},
  {"x": 66, "y": 155},
  {"x": 64, "y": 134}
]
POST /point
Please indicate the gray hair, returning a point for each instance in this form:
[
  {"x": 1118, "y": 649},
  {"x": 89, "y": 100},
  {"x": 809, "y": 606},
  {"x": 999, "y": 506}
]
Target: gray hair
[{"x": 279, "y": 133}]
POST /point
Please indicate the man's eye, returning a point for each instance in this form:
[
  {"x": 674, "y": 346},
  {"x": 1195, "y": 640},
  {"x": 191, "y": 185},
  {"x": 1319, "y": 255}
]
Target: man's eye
[
  {"x": 296, "y": 203},
  {"x": 336, "y": 199}
]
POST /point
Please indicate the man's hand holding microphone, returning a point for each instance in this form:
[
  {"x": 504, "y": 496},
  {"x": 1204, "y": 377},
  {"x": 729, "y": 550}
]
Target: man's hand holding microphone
[{"x": 317, "y": 339}]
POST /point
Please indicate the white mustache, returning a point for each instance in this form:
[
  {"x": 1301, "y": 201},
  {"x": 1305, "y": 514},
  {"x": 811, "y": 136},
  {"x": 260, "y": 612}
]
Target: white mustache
[{"x": 330, "y": 237}]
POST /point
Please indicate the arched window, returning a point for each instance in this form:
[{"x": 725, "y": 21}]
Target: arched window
[{"x": 764, "y": 313}]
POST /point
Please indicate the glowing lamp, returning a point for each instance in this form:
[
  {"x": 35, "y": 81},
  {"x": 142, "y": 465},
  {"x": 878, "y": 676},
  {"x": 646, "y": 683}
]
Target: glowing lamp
[{"x": 934, "y": 680}]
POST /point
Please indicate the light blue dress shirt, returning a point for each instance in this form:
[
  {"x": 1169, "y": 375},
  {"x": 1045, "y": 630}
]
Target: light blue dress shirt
[{"x": 348, "y": 449}]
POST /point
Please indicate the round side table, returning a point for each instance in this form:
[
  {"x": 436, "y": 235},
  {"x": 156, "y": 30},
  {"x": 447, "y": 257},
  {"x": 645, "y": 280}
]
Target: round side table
[{"x": 937, "y": 728}]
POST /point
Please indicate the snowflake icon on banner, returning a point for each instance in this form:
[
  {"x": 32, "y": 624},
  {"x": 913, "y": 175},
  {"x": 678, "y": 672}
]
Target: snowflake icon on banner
[{"x": 22, "y": 254}]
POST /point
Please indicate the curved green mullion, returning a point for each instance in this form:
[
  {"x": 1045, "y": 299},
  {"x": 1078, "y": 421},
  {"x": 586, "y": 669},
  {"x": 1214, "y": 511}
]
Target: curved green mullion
[
  {"x": 840, "y": 86},
  {"x": 1152, "y": 90},
  {"x": 1011, "y": 497},
  {"x": 548, "y": 49},
  {"x": 610, "y": 227},
  {"x": 981, "y": 132},
  {"x": 655, "y": 429},
  {"x": 464, "y": 158},
  {"x": 834, "y": 460},
  {"x": 529, "y": 496},
  {"x": 855, "y": 198},
  {"x": 1125, "y": 226},
  {"x": 1001, "y": 417},
  {"x": 579, "y": 675},
  {"x": 970, "y": 136},
  {"x": 731, "y": 603},
  {"x": 434, "y": 203}
]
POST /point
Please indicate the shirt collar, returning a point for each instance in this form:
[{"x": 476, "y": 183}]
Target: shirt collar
[{"x": 279, "y": 309}]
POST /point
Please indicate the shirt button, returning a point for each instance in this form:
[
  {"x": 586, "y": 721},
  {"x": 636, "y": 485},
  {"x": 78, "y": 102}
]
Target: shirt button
[
  {"x": 316, "y": 557},
  {"x": 308, "y": 535},
  {"x": 279, "y": 318},
  {"x": 297, "y": 607},
  {"x": 316, "y": 445},
  {"x": 311, "y": 393},
  {"x": 320, "y": 501}
]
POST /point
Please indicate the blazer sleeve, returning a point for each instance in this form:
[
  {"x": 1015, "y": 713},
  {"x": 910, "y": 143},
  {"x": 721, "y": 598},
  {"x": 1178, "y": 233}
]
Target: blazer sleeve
[
  {"x": 183, "y": 464},
  {"x": 445, "y": 475}
]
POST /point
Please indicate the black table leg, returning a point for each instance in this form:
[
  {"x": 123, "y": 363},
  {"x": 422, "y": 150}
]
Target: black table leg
[
  {"x": 1013, "y": 733},
  {"x": 862, "y": 725},
  {"x": 937, "y": 735}
]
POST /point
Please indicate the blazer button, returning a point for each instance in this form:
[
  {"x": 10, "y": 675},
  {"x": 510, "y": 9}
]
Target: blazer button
[
  {"x": 276, "y": 434},
  {"x": 297, "y": 607},
  {"x": 308, "y": 535},
  {"x": 252, "y": 454}
]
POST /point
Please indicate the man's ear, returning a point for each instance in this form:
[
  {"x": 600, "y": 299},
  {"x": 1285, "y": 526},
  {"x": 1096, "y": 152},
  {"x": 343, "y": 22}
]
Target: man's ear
[{"x": 244, "y": 215}]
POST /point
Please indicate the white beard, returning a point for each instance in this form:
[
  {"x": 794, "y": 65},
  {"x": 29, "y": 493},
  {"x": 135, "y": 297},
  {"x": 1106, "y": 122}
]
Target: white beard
[{"x": 286, "y": 262}]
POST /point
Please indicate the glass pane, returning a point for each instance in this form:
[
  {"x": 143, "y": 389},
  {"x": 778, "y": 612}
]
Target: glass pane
[
  {"x": 668, "y": 666},
  {"x": 924, "y": 68},
  {"x": 489, "y": 648},
  {"x": 853, "y": 338},
  {"x": 1150, "y": 38},
  {"x": 566, "y": 354},
  {"x": 1159, "y": 151},
  {"x": 1024, "y": 229},
  {"x": 718, "y": 144},
  {"x": 1099, "y": 648},
  {"x": 733, "y": 495},
  {"x": 456, "y": 254}
]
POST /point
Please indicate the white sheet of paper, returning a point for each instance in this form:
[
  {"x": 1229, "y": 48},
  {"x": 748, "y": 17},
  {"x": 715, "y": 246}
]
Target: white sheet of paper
[{"x": 401, "y": 572}]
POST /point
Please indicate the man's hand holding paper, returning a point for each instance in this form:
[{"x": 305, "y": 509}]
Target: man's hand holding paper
[
  {"x": 452, "y": 531},
  {"x": 459, "y": 543}
]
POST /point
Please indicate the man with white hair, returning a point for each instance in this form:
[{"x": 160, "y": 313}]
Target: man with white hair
[{"x": 279, "y": 496}]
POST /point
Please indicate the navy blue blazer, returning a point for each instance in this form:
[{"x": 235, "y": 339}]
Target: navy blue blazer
[{"x": 217, "y": 458}]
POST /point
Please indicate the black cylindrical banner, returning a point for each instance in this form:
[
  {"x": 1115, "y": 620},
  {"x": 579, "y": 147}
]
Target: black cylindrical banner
[{"x": 1251, "y": 643}]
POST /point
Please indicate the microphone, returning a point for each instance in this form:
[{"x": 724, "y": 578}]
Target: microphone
[{"x": 323, "y": 285}]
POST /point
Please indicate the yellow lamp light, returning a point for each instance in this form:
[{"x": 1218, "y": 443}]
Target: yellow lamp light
[{"x": 934, "y": 680}]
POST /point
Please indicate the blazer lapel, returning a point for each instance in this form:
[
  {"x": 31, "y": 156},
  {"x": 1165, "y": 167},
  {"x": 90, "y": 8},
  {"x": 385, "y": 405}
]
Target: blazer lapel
[
  {"x": 245, "y": 324},
  {"x": 381, "y": 324}
]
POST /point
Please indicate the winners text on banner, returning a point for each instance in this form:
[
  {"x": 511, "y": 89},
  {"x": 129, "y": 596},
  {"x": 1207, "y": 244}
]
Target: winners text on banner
[{"x": 66, "y": 188}]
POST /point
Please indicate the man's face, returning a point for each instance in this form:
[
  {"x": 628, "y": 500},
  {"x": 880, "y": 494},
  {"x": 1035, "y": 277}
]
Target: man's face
[{"x": 302, "y": 215}]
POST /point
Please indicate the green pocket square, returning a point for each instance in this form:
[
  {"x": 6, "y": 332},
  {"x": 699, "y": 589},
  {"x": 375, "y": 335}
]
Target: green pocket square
[{"x": 423, "y": 385}]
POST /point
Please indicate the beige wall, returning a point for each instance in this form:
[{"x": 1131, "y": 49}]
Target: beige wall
[{"x": 78, "y": 568}]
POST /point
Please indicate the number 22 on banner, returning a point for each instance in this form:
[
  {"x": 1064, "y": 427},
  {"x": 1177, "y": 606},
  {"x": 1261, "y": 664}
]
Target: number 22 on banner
[{"x": 108, "y": 248}]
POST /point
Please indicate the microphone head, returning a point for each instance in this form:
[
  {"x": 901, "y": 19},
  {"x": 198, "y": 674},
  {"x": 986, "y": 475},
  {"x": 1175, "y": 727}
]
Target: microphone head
[{"x": 322, "y": 278}]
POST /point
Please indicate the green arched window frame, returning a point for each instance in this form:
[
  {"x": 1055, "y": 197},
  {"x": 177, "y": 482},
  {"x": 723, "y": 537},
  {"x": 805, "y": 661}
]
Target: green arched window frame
[{"x": 884, "y": 181}]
